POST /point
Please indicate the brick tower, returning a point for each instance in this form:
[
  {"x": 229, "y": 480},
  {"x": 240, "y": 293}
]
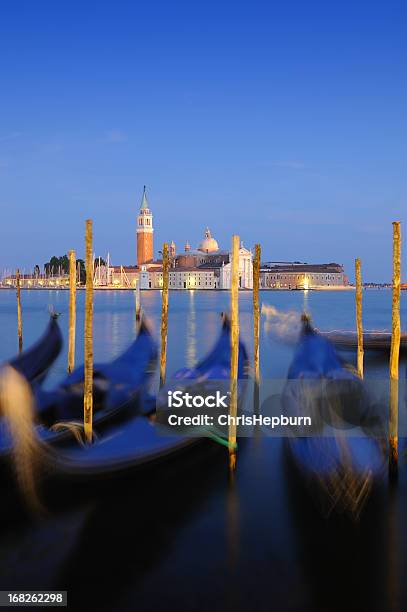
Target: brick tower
[{"x": 145, "y": 249}]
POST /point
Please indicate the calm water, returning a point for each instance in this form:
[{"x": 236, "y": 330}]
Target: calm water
[
  {"x": 194, "y": 321},
  {"x": 195, "y": 540}
]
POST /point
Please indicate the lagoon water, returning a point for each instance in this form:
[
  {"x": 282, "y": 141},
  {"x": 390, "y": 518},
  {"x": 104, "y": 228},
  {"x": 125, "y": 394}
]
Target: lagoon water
[
  {"x": 199, "y": 541},
  {"x": 194, "y": 321}
]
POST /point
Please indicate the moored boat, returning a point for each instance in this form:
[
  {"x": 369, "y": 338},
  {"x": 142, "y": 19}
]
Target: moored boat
[
  {"x": 35, "y": 362},
  {"x": 379, "y": 341},
  {"x": 138, "y": 443},
  {"x": 118, "y": 386},
  {"x": 341, "y": 456}
]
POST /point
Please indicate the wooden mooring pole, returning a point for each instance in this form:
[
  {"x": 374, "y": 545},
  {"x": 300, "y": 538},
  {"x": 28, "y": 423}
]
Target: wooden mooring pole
[
  {"x": 164, "y": 314},
  {"x": 359, "y": 323},
  {"x": 256, "y": 311},
  {"x": 394, "y": 352},
  {"x": 234, "y": 356},
  {"x": 137, "y": 300},
  {"x": 72, "y": 311},
  {"x": 256, "y": 328},
  {"x": 19, "y": 317},
  {"x": 88, "y": 360}
]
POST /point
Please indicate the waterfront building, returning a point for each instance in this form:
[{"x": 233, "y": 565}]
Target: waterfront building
[
  {"x": 207, "y": 267},
  {"x": 216, "y": 264},
  {"x": 37, "y": 281},
  {"x": 181, "y": 278},
  {"x": 298, "y": 275},
  {"x": 121, "y": 276}
]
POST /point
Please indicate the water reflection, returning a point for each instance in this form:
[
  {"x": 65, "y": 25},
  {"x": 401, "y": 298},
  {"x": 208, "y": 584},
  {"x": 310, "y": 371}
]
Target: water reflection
[
  {"x": 110, "y": 324},
  {"x": 393, "y": 552},
  {"x": 191, "y": 331},
  {"x": 232, "y": 522},
  {"x": 136, "y": 528},
  {"x": 305, "y": 307}
]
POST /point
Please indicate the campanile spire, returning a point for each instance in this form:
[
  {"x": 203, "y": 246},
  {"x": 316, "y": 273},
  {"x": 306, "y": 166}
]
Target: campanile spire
[{"x": 145, "y": 230}]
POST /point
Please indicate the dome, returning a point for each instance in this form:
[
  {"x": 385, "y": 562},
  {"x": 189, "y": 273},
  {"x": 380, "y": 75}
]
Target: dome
[{"x": 208, "y": 244}]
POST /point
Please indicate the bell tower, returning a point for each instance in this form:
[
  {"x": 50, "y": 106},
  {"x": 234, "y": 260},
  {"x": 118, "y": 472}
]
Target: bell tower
[{"x": 145, "y": 248}]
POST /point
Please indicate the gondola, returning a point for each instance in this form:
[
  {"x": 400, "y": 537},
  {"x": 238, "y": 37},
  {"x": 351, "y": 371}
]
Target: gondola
[
  {"x": 372, "y": 341},
  {"x": 35, "y": 362},
  {"x": 138, "y": 443},
  {"x": 216, "y": 365},
  {"x": 341, "y": 456},
  {"x": 118, "y": 386}
]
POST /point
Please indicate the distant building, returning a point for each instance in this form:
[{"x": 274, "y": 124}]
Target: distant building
[
  {"x": 121, "y": 276},
  {"x": 298, "y": 275},
  {"x": 181, "y": 278},
  {"x": 145, "y": 231},
  {"x": 37, "y": 281},
  {"x": 207, "y": 267}
]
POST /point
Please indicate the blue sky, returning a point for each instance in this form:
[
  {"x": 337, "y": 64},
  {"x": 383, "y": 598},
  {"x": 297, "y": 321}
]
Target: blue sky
[{"x": 284, "y": 122}]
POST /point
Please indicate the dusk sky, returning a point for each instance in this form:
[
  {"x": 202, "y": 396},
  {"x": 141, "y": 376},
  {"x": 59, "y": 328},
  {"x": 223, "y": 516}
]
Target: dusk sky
[{"x": 284, "y": 122}]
